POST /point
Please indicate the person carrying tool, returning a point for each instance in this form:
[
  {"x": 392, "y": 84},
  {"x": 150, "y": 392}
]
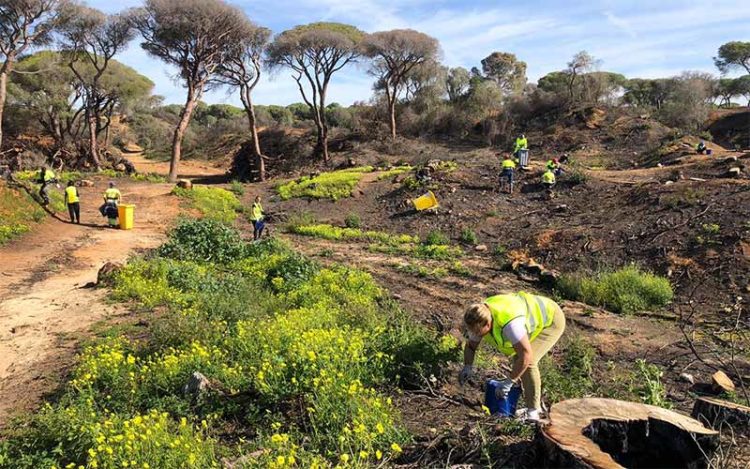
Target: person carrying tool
[
  {"x": 521, "y": 144},
  {"x": 257, "y": 218},
  {"x": 701, "y": 147},
  {"x": 508, "y": 167},
  {"x": 72, "y": 201},
  {"x": 522, "y": 326},
  {"x": 548, "y": 182},
  {"x": 46, "y": 177},
  {"x": 112, "y": 199}
]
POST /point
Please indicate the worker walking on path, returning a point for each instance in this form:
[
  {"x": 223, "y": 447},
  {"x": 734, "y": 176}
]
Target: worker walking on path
[
  {"x": 548, "y": 181},
  {"x": 46, "y": 177},
  {"x": 508, "y": 167},
  {"x": 257, "y": 218},
  {"x": 522, "y": 326},
  {"x": 112, "y": 198},
  {"x": 72, "y": 201}
]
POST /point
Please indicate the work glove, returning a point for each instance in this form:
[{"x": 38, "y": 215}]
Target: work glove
[
  {"x": 503, "y": 389},
  {"x": 466, "y": 373}
]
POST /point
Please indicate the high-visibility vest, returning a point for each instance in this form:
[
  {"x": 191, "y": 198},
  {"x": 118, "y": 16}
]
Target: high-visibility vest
[
  {"x": 71, "y": 195},
  {"x": 538, "y": 311},
  {"x": 551, "y": 165},
  {"x": 257, "y": 213},
  {"x": 521, "y": 144},
  {"x": 48, "y": 175},
  {"x": 509, "y": 164},
  {"x": 548, "y": 177},
  {"x": 112, "y": 194}
]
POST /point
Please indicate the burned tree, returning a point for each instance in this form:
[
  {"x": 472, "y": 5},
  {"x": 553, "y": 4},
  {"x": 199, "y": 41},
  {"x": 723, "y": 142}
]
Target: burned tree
[
  {"x": 23, "y": 24},
  {"x": 91, "y": 39},
  {"x": 242, "y": 70},
  {"x": 394, "y": 55},
  {"x": 315, "y": 52},
  {"x": 196, "y": 36}
]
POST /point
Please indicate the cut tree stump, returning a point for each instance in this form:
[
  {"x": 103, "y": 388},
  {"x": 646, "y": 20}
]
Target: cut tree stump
[
  {"x": 716, "y": 412},
  {"x": 721, "y": 382},
  {"x": 607, "y": 434}
]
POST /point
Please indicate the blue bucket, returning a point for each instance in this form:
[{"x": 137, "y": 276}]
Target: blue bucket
[{"x": 505, "y": 407}]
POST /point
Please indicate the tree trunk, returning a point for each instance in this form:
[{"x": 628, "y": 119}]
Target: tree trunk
[
  {"x": 255, "y": 147},
  {"x": 93, "y": 144},
  {"x": 392, "y": 109},
  {"x": 3, "y": 97},
  {"x": 179, "y": 131},
  {"x": 716, "y": 412},
  {"x": 607, "y": 434},
  {"x": 324, "y": 121}
]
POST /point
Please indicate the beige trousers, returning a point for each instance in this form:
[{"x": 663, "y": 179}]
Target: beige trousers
[{"x": 543, "y": 343}]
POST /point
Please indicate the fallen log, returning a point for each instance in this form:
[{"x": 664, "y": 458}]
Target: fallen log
[
  {"x": 715, "y": 412},
  {"x": 607, "y": 434}
]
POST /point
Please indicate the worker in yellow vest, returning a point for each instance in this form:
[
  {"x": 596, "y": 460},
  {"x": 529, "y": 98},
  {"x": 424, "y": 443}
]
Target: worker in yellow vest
[
  {"x": 46, "y": 177},
  {"x": 72, "y": 201},
  {"x": 508, "y": 167},
  {"x": 257, "y": 218},
  {"x": 112, "y": 198},
  {"x": 522, "y": 326},
  {"x": 521, "y": 144},
  {"x": 548, "y": 182}
]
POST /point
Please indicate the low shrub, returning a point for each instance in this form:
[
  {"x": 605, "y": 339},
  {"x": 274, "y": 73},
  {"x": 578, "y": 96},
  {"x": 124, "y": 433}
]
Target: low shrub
[
  {"x": 213, "y": 203},
  {"x": 352, "y": 220},
  {"x": 436, "y": 237},
  {"x": 336, "y": 233},
  {"x": 149, "y": 177},
  {"x": 18, "y": 212},
  {"x": 237, "y": 188},
  {"x": 332, "y": 185},
  {"x": 651, "y": 388},
  {"x": 577, "y": 176},
  {"x": 468, "y": 236},
  {"x": 204, "y": 240},
  {"x": 394, "y": 172},
  {"x": 569, "y": 376},
  {"x": 627, "y": 290}
]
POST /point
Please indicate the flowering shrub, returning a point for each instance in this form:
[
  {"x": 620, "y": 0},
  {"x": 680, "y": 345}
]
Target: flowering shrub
[{"x": 298, "y": 353}]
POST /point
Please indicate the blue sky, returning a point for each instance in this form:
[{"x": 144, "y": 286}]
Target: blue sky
[{"x": 644, "y": 38}]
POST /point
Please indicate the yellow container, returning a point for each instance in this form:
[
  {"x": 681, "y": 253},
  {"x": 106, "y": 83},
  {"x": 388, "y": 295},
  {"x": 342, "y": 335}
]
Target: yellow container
[
  {"x": 426, "y": 202},
  {"x": 126, "y": 214}
]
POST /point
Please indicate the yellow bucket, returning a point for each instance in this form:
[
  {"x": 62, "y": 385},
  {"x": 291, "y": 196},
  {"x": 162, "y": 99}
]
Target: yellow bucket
[
  {"x": 126, "y": 214},
  {"x": 426, "y": 202}
]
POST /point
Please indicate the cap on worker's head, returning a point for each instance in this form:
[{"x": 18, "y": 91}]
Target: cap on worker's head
[
  {"x": 111, "y": 183},
  {"x": 71, "y": 183},
  {"x": 555, "y": 160}
]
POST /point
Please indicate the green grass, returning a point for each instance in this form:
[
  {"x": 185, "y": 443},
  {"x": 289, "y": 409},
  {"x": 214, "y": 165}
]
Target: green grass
[
  {"x": 213, "y": 203},
  {"x": 301, "y": 355},
  {"x": 336, "y": 233},
  {"x": 149, "y": 177},
  {"x": 331, "y": 185},
  {"x": 442, "y": 252},
  {"x": 394, "y": 172},
  {"x": 19, "y": 212},
  {"x": 627, "y": 290},
  {"x": 63, "y": 177},
  {"x": 422, "y": 271},
  {"x": 571, "y": 375}
]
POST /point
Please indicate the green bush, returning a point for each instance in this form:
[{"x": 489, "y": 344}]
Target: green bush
[
  {"x": 651, "y": 388},
  {"x": 394, "y": 172},
  {"x": 570, "y": 376},
  {"x": 149, "y": 177},
  {"x": 332, "y": 185},
  {"x": 213, "y": 203},
  {"x": 352, "y": 220},
  {"x": 577, "y": 176},
  {"x": 18, "y": 212},
  {"x": 203, "y": 240},
  {"x": 339, "y": 234},
  {"x": 237, "y": 188},
  {"x": 469, "y": 237},
  {"x": 436, "y": 237},
  {"x": 627, "y": 290}
]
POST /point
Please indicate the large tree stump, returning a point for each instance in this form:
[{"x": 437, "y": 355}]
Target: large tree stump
[
  {"x": 716, "y": 413},
  {"x": 607, "y": 433}
]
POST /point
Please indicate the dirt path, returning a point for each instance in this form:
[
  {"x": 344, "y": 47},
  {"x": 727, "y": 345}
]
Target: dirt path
[
  {"x": 187, "y": 169},
  {"x": 46, "y": 308}
]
